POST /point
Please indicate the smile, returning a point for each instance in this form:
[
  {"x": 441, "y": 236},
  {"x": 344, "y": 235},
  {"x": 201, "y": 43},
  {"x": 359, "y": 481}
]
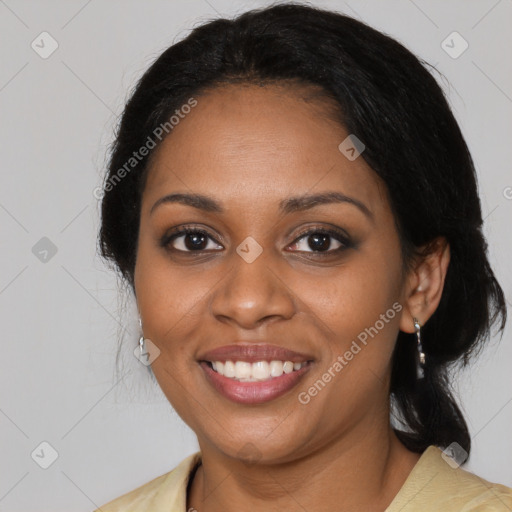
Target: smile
[
  {"x": 253, "y": 373},
  {"x": 256, "y": 384}
]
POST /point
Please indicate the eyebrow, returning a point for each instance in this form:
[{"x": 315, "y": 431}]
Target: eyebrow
[{"x": 290, "y": 205}]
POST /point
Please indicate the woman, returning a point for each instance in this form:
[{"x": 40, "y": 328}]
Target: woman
[{"x": 294, "y": 206}]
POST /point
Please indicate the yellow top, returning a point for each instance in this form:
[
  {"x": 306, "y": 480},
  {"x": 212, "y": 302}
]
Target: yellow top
[{"x": 432, "y": 485}]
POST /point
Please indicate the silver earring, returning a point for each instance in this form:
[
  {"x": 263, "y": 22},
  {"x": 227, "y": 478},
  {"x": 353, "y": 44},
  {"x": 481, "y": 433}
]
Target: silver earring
[
  {"x": 142, "y": 347},
  {"x": 421, "y": 355}
]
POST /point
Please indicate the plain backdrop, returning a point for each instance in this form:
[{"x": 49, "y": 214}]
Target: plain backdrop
[{"x": 63, "y": 312}]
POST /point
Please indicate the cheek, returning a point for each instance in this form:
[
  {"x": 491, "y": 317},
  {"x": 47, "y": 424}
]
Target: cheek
[
  {"x": 360, "y": 308},
  {"x": 354, "y": 296},
  {"x": 169, "y": 298}
]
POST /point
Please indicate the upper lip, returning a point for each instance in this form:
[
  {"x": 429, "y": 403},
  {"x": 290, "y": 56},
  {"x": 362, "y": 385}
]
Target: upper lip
[{"x": 253, "y": 352}]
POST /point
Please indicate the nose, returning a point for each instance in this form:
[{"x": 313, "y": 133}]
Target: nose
[{"x": 251, "y": 294}]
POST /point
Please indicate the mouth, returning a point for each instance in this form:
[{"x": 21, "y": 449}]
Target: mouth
[{"x": 254, "y": 374}]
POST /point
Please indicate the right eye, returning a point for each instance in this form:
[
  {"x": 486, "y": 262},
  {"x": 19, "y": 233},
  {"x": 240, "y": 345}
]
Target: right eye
[{"x": 188, "y": 240}]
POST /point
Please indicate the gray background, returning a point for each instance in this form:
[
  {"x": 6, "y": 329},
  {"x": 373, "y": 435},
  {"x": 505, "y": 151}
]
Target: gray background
[{"x": 61, "y": 318}]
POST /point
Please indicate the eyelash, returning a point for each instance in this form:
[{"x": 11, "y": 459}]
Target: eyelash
[{"x": 340, "y": 236}]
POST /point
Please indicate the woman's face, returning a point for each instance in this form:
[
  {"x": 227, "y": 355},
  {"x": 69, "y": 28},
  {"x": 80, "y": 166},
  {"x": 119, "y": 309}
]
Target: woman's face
[{"x": 320, "y": 279}]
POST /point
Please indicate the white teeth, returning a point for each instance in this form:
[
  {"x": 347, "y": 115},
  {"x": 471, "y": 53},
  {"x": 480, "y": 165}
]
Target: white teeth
[
  {"x": 253, "y": 372},
  {"x": 276, "y": 368},
  {"x": 288, "y": 367},
  {"x": 243, "y": 370},
  {"x": 260, "y": 370},
  {"x": 229, "y": 369}
]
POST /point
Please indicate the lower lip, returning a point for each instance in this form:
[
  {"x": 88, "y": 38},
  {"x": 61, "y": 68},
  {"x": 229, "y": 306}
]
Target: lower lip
[{"x": 253, "y": 392}]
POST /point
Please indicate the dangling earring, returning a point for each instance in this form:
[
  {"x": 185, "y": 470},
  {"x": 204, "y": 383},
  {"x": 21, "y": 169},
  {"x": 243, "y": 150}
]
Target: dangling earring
[
  {"x": 421, "y": 355},
  {"x": 142, "y": 347}
]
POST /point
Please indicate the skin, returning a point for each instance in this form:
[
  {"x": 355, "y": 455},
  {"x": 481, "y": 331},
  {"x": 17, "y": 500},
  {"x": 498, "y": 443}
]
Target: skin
[{"x": 249, "y": 147}]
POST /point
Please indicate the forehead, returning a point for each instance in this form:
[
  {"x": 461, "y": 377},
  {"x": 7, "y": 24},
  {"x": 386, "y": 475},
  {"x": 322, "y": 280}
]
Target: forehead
[{"x": 251, "y": 144}]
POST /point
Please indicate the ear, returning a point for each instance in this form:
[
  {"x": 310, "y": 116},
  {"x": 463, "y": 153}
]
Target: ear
[{"x": 424, "y": 284}]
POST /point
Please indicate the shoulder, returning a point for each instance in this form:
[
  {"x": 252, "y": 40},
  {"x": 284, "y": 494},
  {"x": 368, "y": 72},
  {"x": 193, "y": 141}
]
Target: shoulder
[
  {"x": 438, "y": 483},
  {"x": 163, "y": 493}
]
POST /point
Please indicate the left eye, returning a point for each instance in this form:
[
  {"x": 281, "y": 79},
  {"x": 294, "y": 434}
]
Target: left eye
[{"x": 319, "y": 241}]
